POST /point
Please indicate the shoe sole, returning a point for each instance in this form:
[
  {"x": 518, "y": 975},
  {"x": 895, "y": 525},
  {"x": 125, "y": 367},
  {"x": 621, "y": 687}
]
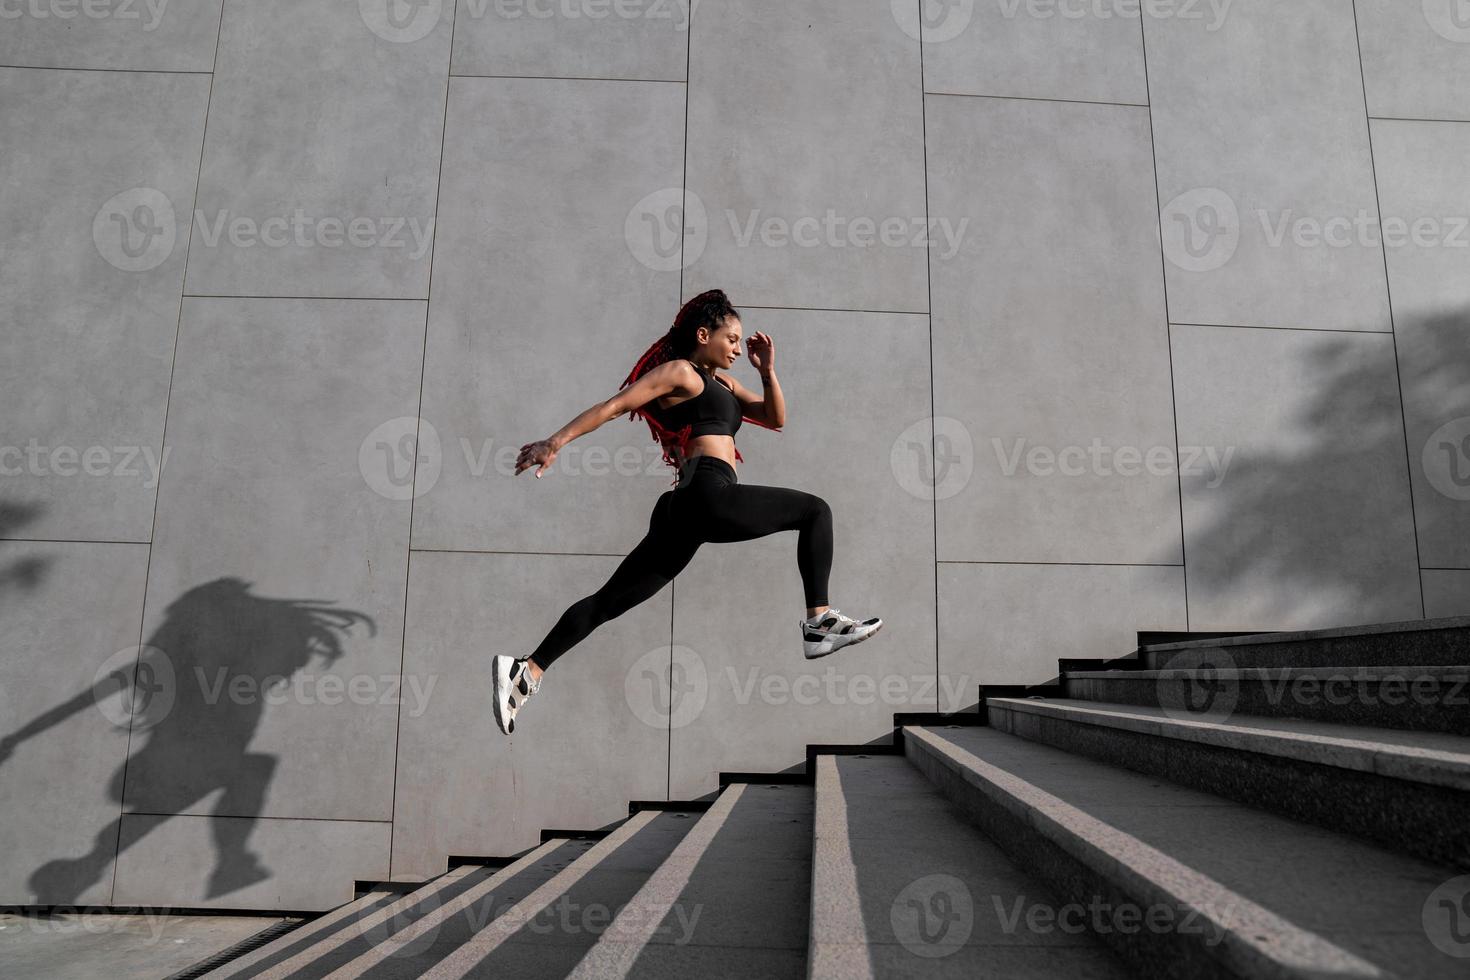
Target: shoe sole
[
  {"x": 502, "y": 690},
  {"x": 845, "y": 641}
]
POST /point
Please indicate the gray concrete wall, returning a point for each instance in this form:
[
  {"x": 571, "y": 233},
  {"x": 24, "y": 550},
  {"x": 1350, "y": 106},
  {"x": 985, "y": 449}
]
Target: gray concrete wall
[{"x": 1089, "y": 321}]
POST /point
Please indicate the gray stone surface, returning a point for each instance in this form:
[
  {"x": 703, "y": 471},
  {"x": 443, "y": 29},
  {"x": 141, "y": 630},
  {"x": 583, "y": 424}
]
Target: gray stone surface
[
  {"x": 87, "y": 945},
  {"x": 1421, "y": 698},
  {"x": 1084, "y": 53},
  {"x": 1047, "y": 187},
  {"x": 1264, "y": 116},
  {"x": 1405, "y": 791},
  {"x": 989, "y": 616},
  {"x": 1420, "y": 166},
  {"x": 275, "y": 590},
  {"x": 929, "y": 894},
  {"x": 630, "y": 40},
  {"x": 146, "y": 36},
  {"x": 538, "y": 300},
  {"x": 1414, "y": 59},
  {"x": 1107, "y": 870},
  {"x": 91, "y": 290},
  {"x": 242, "y": 863},
  {"x": 827, "y": 182},
  {"x": 70, "y": 612},
  {"x": 1296, "y": 901},
  {"x": 1447, "y": 592},
  {"x": 1311, "y": 525},
  {"x": 323, "y": 144},
  {"x": 1433, "y": 758}
]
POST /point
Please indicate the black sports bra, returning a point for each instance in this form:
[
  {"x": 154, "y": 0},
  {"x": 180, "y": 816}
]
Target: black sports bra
[{"x": 714, "y": 411}]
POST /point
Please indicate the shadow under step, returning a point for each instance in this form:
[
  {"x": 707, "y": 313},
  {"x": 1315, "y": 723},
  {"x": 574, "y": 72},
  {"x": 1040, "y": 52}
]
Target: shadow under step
[
  {"x": 1188, "y": 884},
  {"x": 904, "y": 885},
  {"x": 730, "y": 901},
  {"x": 538, "y": 922},
  {"x": 1439, "y": 642},
  {"x": 308, "y": 934},
  {"x": 1414, "y": 698},
  {"x": 1409, "y": 791}
]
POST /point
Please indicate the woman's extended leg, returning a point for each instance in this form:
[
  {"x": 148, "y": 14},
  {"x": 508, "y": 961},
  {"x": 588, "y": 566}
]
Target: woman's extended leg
[
  {"x": 650, "y": 566},
  {"x": 741, "y": 511}
]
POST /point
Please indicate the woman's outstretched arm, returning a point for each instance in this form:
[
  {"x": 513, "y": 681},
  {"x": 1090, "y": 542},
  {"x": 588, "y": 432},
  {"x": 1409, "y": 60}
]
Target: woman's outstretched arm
[{"x": 668, "y": 377}]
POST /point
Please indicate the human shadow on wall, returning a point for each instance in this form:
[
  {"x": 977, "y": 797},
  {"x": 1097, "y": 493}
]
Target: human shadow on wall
[
  {"x": 22, "y": 574},
  {"x": 1296, "y": 535},
  {"x": 194, "y": 697}
]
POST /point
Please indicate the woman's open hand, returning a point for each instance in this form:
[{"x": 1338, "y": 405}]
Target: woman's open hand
[
  {"x": 532, "y": 453},
  {"x": 762, "y": 352}
]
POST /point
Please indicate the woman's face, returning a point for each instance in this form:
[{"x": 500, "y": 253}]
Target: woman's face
[{"x": 723, "y": 346}]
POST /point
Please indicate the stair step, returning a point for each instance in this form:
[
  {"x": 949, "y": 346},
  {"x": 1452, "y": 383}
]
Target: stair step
[
  {"x": 731, "y": 900},
  {"x": 549, "y": 931},
  {"x": 1212, "y": 888},
  {"x": 1405, "y": 790},
  {"x": 319, "y": 929},
  {"x": 1416, "y": 698},
  {"x": 429, "y": 937},
  {"x": 904, "y": 884},
  {"x": 1442, "y": 642}
]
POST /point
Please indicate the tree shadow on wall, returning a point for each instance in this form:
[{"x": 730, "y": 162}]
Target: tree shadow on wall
[
  {"x": 1312, "y": 526},
  {"x": 182, "y": 696}
]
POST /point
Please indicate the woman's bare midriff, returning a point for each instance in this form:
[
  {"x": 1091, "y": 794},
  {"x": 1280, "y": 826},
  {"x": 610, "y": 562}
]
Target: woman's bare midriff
[{"x": 721, "y": 447}]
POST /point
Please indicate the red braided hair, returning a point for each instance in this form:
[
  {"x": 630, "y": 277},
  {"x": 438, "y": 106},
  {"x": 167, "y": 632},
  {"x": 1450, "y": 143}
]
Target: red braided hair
[{"x": 705, "y": 310}]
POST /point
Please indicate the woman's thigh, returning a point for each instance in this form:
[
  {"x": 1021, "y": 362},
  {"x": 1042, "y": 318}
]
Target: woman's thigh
[
  {"x": 654, "y": 561},
  {"x": 742, "y": 511}
]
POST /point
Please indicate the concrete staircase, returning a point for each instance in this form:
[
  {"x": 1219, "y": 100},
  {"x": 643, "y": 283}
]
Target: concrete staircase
[{"x": 1280, "y": 805}]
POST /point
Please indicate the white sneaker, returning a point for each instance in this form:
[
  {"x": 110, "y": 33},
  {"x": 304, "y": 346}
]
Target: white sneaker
[
  {"x": 831, "y": 630},
  {"x": 513, "y": 685}
]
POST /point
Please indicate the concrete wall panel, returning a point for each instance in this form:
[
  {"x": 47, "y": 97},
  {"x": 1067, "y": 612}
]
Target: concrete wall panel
[{"x": 98, "y": 170}]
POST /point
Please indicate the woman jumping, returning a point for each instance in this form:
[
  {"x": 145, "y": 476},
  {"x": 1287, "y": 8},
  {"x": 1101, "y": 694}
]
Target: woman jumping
[{"x": 694, "y": 413}]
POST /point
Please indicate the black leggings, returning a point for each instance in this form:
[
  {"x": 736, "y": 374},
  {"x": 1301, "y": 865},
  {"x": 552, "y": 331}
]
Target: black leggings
[{"x": 709, "y": 504}]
